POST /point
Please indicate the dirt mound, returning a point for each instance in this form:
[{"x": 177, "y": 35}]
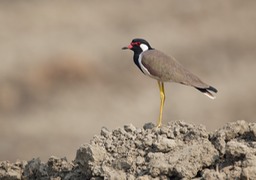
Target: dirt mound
[{"x": 178, "y": 150}]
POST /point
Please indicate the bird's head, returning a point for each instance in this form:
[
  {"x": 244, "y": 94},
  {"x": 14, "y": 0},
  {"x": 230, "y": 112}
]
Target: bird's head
[{"x": 138, "y": 45}]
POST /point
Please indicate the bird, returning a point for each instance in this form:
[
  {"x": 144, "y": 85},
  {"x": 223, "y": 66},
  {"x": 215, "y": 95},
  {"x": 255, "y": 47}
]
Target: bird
[{"x": 164, "y": 68}]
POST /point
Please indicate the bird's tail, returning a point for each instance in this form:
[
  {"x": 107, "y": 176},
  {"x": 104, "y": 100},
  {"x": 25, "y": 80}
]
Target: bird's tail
[{"x": 208, "y": 91}]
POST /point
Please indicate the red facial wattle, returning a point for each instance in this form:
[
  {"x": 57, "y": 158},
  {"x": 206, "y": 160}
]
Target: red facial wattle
[{"x": 130, "y": 46}]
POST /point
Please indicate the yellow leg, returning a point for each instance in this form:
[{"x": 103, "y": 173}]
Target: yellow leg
[{"x": 162, "y": 98}]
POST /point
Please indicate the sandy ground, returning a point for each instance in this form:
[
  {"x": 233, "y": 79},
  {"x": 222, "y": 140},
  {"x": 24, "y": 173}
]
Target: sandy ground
[{"x": 64, "y": 76}]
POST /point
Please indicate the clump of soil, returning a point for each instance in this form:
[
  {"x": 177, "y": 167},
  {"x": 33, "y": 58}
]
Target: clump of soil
[{"x": 175, "y": 151}]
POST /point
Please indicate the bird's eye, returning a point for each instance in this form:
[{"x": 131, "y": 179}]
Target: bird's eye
[{"x": 135, "y": 43}]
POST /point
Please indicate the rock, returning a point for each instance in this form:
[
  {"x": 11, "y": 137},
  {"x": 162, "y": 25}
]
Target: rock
[
  {"x": 212, "y": 174},
  {"x": 105, "y": 132},
  {"x": 129, "y": 128},
  {"x": 35, "y": 169},
  {"x": 154, "y": 153},
  {"x": 164, "y": 144},
  {"x": 236, "y": 149},
  {"x": 59, "y": 167},
  {"x": 11, "y": 171},
  {"x": 176, "y": 151},
  {"x": 228, "y": 132},
  {"x": 149, "y": 126},
  {"x": 90, "y": 159},
  {"x": 235, "y": 142}
]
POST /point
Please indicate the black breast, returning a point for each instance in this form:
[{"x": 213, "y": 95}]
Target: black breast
[{"x": 136, "y": 61}]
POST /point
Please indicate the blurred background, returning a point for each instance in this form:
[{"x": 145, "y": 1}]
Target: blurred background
[{"x": 63, "y": 75}]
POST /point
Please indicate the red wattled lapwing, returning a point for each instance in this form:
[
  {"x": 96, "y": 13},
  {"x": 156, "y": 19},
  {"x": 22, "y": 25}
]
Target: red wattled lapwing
[{"x": 163, "y": 68}]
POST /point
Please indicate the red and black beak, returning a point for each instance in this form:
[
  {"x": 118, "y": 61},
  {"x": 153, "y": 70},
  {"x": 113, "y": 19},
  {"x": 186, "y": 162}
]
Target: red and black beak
[{"x": 128, "y": 47}]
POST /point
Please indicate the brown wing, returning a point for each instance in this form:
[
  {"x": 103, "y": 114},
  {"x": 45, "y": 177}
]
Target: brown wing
[{"x": 165, "y": 68}]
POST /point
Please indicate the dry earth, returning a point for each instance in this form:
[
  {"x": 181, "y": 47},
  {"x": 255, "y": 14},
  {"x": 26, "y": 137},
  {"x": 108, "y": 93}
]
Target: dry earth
[
  {"x": 178, "y": 150},
  {"x": 63, "y": 74}
]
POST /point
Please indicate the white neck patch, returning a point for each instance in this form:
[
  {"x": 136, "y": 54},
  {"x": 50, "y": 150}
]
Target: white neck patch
[{"x": 144, "y": 47}]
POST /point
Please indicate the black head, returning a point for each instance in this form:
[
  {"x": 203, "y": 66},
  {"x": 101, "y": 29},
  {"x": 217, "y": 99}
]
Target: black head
[{"x": 138, "y": 45}]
